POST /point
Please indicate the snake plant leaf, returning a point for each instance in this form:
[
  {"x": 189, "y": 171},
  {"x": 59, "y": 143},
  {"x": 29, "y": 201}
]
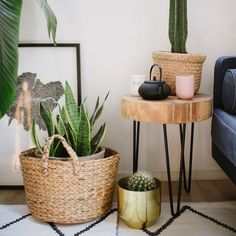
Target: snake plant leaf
[
  {"x": 97, "y": 139},
  {"x": 51, "y": 19},
  {"x": 60, "y": 128},
  {"x": 99, "y": 110},
  {"x": 69, "y": 133},
  {"x": 9, "y": 35},
  {"x": 62, "y": 115},
  {"x": 83, "y": 141},
  {"x": 72, "y": 138},
  {"x": 35, "y": 138},
  {"x": 48, "y": 119},
  {"x": 91, "y": 120},
  {"x": 71, "y": 109},
  {"x": 63, "y": 120}
]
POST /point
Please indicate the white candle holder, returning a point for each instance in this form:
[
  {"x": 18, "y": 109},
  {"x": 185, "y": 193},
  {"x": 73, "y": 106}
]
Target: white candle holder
[{"x": 135, "y": 82}]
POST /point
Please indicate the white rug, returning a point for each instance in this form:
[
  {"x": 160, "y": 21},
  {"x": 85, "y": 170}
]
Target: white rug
[{"x": 188, "y": 223}]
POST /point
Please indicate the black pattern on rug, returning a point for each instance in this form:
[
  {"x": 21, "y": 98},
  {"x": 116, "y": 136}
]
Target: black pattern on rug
[
  {"x": 182, "y": 210},
  {"x": 60, "y": 233},
  {"x": 14, "y": 221},
  {"x": 56, "y": 229}
]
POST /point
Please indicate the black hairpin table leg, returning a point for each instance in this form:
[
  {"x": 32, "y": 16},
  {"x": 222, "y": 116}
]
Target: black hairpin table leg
[
  {"x": 136, "y": 129},
  {"x": 182, "y": 166},
  {"x": 187, "y": 186}
]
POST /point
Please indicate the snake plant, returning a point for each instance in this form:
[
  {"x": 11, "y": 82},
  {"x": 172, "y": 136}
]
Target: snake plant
[
  {"x": 10, "y": 11},
  {"x": 74, "y": 124}
]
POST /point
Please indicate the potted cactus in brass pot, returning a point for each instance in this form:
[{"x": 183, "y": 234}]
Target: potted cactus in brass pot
[
  {"x": 139, "y": 200},
  {"x": 178, "y": 61}
]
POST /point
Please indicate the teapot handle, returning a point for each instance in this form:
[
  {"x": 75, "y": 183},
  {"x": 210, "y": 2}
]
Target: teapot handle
[{"x": 159, "y": 67}]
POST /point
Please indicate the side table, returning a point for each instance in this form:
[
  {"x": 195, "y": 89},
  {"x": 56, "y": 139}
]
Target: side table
[{"x": 169, "y": 111}]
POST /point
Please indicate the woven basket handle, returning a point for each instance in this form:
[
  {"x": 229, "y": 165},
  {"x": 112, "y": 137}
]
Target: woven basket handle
[{"x": 71, "y": 152}]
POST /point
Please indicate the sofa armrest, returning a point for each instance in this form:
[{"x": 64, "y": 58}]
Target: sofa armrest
[{"x": 222, "y": 64}]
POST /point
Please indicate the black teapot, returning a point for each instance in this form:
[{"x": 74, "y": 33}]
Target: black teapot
[{"x": 154, "y": 89}]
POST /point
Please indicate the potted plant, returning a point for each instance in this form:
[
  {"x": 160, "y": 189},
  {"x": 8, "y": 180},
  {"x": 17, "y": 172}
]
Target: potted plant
[
  {"x": 178, "y": 61},
  {"x": 64, "y": 182},
  {"x": 75, "y": 126},
  {"x": 139, "y": 200},
  {"x": 10, "y": 11}
]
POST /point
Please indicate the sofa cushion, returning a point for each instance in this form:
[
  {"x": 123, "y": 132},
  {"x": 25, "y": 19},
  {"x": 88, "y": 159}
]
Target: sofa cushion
[
  {"x": 229, "y": 91},
  {"x": 224, "y": 133}
]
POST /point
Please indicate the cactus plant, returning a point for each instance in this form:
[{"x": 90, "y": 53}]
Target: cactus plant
[
  {"x": 141, "y": 181},
  {"x": 74, "y": 124},
  {"x": 178, "y": 25}
]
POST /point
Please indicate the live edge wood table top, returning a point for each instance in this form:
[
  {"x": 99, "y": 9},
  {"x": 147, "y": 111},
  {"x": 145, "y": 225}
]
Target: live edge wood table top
[{"x": 169, "y": 111}]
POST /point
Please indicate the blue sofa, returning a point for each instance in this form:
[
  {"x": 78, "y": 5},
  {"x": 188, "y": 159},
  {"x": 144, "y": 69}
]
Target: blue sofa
[{"x": 223, "y": 128}]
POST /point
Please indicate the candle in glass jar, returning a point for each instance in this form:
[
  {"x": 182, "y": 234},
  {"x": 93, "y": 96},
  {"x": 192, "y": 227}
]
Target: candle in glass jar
[
  {"x": 135, "y": 83},
  {"x": 184, "y": 86}
]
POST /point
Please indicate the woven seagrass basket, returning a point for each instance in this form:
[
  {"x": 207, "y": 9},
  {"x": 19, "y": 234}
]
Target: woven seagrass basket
[
  {"x": 68, "y": 191},
  {"x": 174, "y": 64}
]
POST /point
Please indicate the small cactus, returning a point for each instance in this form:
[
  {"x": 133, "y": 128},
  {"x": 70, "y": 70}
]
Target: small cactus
[{"x": 141, "y": 181}]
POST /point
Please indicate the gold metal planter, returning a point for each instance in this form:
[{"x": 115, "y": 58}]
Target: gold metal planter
[{"x": 138, "y": 209}]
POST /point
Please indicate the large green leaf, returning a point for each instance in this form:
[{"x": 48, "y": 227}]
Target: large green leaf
[
  {"x": 51, "y": 19},
  {"x": 9, "y": 36},
  {"x": 10, "y": 11}
]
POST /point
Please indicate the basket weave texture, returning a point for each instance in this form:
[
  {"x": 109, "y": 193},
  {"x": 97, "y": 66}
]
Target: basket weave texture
[
  {"x": 174, "y": 64},
  {"x": 68, "y": 192}
]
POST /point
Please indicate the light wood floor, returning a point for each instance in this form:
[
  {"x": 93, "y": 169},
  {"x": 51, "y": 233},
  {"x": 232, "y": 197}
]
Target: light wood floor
[{"x": 202, "y": 191}]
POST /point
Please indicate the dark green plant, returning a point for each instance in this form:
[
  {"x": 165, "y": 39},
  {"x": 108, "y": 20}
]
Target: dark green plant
[
  {"x": 10, "y": 11},
  {"x": 178, "y": 25},
  {"x": 141, "y": 181},
  {"x": 74, "y": 124}
]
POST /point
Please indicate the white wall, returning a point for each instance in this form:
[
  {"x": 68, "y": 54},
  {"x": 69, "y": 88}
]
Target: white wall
[{"x": 117, "y": 38}]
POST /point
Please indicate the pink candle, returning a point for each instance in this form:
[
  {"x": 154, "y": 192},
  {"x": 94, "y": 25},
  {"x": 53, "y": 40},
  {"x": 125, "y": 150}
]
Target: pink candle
[{"x": 184, "y": 86}]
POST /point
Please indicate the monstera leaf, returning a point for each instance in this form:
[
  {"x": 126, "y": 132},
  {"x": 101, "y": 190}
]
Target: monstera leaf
[{"x": 10, "y": 11}]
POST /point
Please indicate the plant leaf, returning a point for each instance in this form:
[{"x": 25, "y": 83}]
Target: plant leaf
[
  {"x": 48, "y": 120},
  {"x": 99, "y": 110},
  {"x": 91, "y": 120},
  {"x": 35, "y": 138},
  {"x": 71, "y": 137},
  {"x": 62, "y": 117},
  {"x": 71, "y": 110},
  {"x": 9, "y": 36},
  {"x": 97, "y": 139},
  {"x": 60, "y": 127},
  {"x": 83, "y": 140},
  {"x": 51, "y": 19}
]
